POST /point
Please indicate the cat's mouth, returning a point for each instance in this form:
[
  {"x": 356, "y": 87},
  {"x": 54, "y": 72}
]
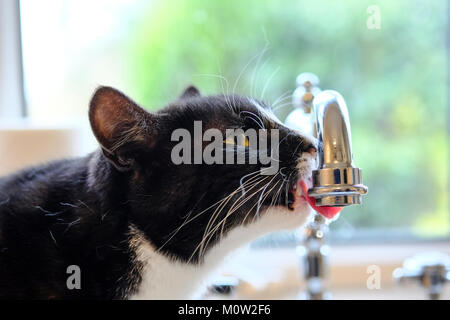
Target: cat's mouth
[{"x": 299, "y": 194}]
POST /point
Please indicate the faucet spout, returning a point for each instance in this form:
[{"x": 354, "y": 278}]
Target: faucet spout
[
  {"x": 333, "y": 129},
  {"x": 336, "y": 182}
]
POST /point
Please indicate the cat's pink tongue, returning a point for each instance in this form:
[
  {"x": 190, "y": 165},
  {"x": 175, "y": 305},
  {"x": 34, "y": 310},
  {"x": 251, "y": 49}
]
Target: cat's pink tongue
[{"x": 327, "y": 212}]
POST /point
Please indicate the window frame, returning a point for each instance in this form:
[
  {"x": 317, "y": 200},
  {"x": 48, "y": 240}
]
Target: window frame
[{"x": 12, "y": 93}]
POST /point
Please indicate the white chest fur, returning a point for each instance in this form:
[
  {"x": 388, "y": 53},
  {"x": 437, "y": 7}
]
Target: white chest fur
[{"x": 166, "y": 278}]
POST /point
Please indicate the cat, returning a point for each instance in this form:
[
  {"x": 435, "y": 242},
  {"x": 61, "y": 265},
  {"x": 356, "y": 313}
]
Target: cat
[{"x": 131, "y": 224}]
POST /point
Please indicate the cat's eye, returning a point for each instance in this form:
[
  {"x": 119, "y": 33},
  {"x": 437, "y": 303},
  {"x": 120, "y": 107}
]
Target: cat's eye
[{"x": 238, "y": 140}]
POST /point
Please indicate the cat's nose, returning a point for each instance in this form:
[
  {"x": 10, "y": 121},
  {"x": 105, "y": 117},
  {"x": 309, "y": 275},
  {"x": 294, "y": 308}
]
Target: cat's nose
[{"x": 311, "y": 150}]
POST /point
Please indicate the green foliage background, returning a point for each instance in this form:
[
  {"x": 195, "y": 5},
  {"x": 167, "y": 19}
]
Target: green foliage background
[{"x": 394, "y": 80}]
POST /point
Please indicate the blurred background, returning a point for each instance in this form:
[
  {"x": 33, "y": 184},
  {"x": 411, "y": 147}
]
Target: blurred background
[{"x": 394, "y": 77}]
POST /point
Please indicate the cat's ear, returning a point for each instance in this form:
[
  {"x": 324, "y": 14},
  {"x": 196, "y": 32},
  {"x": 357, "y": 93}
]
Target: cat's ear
[
  {"x": 120, "y": 126},
  {"x": 189, "y": 92}
]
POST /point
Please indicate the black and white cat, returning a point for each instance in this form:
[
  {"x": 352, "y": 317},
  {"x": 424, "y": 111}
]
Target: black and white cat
[{"x": 137, "y": 225}]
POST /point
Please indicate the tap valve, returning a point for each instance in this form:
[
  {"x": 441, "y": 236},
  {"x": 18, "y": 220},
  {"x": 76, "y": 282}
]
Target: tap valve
[
  {"x": 307, "y": 89},
  {"x": 431, "y": 270}
]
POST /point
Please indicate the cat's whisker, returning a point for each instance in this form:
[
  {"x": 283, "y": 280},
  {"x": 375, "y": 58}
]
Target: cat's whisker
[
  {"x": 85, "y": 205},
  {"x": 195, "y": 205},
  {"x": 216, "y": 214},
  {"x": 251, "y": 180},
  {"x": 208, "y": 236},
  {"x": 49, "y": 213},
  {"x": 277, "y": 194},
  {"x": 173, "y": 233},
  {"x": 258, "y": 119},
  {"x": 227, "y": 94},
  {"x": 251, "y": 209},
  {"x": 187, "y": 220},
  {"x": 268, "y": 82},
  {"x": 283, "y": 105},
  {"x": 268, "y": 194},
  {"x": 53, "y": 237},
  {"x": 260, "y": 198},
  {"x": 257, "y": 69},
  {"x": 240, "y": 75},
  {"x": 281, "y": 100},
  {"x": 70, "y": 224},
  {"x": 285, "y": 95},
  {"x": 248, "y": 212},
  {"x": 222, "y": 79},
  {"x": 245, "y": 176},
  {"x": 287, "y": 184},
  {"x": 207, "y": 232},
  {"x": 274, "y": 200},
  {"x": 69, "y": 205},
  {"x": 233, "y": 209}
]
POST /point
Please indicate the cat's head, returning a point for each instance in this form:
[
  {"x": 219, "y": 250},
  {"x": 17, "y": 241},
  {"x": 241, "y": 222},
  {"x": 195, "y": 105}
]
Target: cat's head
[{"x": 183, "y": 191}]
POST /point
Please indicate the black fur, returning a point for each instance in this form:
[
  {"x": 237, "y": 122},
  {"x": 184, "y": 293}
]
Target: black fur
[{"x": 79, "y": 211}]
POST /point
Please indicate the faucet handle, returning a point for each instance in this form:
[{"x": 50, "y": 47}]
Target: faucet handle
[
  {"x": 307, "y": 89},
  {"x": 431, "y": 270},
  {"x": 307, "y": 79}
]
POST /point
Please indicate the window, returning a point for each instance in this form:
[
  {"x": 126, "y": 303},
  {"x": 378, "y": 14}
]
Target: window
[
  {"x": 11, "y": 81},
  {"x": 70, "y": 48},
  {"x": 394, "y": 79}
]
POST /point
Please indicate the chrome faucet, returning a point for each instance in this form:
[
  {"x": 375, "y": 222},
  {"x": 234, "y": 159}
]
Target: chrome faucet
[
  {"x": 314, "y": 253},
  {"x": 336, "y": 182}
]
